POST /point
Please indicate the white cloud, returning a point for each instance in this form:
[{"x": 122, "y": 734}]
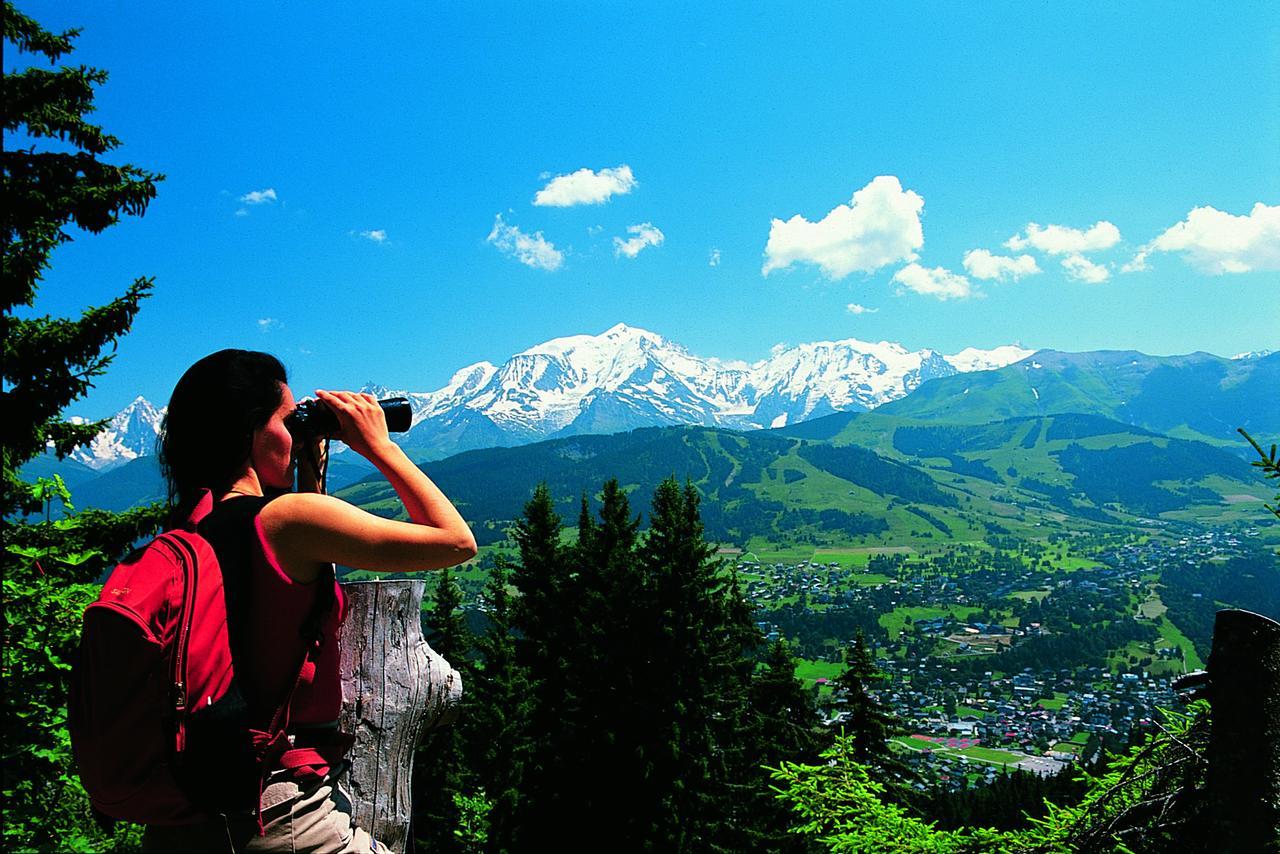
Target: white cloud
[
  {"x": 532, "y": 250},
  {"x": 1216, "y": 242},
  {"x": 259, "y": 197},
  {"x": 981, "y": 264},
  {"x": 880, "y": 226},
  {"x": 242, "y": 212},
  {"x": 1082, "y": 269},
  {"x": 377, "y": 235},
  {"x": 643, "y": 235},
  {"x": 713, "y": 260},
  {"x": 1061, "y": 240},
  {"x": 585, "y": 187},
  {"x": 936, "y": 282},
  {"x": 854, "y": 308},
  {"x": 266, "y": 324}
]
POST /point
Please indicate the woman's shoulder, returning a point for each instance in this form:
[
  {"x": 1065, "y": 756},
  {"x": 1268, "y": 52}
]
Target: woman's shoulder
[{"x": 300, "y": 508}]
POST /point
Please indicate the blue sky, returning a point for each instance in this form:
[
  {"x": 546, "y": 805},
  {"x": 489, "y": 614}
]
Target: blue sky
[{"x": 404, "y": 145}]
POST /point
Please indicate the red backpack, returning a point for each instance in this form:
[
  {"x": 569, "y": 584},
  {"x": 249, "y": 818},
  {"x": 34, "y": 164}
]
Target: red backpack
[{"x": 158, "y": 726}]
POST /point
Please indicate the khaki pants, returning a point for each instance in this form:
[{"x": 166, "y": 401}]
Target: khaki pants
[{"x": 311, "y": 820}]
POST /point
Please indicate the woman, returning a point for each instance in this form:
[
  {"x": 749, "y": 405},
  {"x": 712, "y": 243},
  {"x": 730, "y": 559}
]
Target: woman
[{"x": 226, "y": 437}]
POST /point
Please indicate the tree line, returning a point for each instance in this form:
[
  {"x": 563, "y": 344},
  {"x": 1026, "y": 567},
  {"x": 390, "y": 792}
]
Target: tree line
[{"x": 619, "y": 692}]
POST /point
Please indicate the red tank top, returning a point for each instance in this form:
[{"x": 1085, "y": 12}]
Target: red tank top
[{"x": 267, "y": 625}]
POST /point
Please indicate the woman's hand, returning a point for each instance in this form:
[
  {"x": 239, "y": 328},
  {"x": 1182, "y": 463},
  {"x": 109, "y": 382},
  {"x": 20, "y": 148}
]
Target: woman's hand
[
  {"x": 312, "y": 459},
  {"x": 362, "y": 423}
]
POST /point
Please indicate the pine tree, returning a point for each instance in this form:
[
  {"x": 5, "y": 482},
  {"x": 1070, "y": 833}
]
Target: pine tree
[
  {"x": 602, "y": 661},
  {"x": 870, "y": 725},
  {"x": 497, "y": 712},
  {"x": 54, "y": 178},
  {"x": 694, "y": 744},
  {"x": 51, "y": 362},
  {"x": 786, "y": 728},
  {"x": 543, "y": 618},
  {"x": 440, "y": 767}
]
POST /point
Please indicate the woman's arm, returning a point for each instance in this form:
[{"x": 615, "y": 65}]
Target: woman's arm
[{"x": 308, "y": 530}]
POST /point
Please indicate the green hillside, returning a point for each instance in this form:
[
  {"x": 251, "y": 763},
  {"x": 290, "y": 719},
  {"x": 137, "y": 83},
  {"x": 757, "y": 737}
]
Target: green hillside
[
  {"x": 1197, "y": 396},
  {"x": 921, "y": 483}
]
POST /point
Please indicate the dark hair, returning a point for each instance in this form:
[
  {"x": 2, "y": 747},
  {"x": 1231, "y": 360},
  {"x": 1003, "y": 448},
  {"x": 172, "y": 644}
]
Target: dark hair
[{"x": 207, "y": 433}]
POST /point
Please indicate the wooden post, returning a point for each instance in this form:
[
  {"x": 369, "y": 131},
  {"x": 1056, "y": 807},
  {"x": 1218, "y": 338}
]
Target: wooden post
[
  {"x": 1244, "y": 738},
  {"x": 394, "y": 687}
]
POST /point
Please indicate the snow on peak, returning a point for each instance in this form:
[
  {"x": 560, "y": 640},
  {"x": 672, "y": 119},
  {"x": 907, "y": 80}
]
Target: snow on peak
[
  {"x": 973, "y": 359},
  {"x": 130, "y": 434},
  {"x": 628, "y": 377}
]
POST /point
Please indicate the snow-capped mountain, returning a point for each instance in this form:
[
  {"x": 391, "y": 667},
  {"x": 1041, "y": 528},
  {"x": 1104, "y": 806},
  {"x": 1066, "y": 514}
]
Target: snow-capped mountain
[
  {"x": 626, "y": 378},
  {"x": 130, "y": 434}
]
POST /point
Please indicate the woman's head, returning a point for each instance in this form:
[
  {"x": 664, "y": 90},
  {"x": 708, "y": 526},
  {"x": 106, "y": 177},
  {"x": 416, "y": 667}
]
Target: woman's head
[{"x": 226, "y": 414}]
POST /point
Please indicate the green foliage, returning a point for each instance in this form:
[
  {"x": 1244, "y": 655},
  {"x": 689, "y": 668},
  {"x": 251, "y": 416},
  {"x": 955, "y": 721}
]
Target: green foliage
[
  {"x": 53, "y": 181},
  {"x": 1270, "y": 465},
  {"x": 1147, "y": 800},
  {"x": 839, "y": 803},
  {"x": 44, "y": 596},
  {"x": 472, "y": 831}
]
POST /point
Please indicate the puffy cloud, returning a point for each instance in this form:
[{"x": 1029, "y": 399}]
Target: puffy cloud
[
  {"x": 713, "y": 260},
  {"x": 532, "y": 250},
  {"x": 266, "y": 324},
  {"x": 585, "y": 187},
  {"x": 377, "y": 235},
  {"x": 936, "y": 282},
  {"x": 643, "y": 235},
  {"x": 1216, "y": 242},
  {"x": 1061, "y": 240},
  {"x": 879, "y": 226},
  {"x": 854, "y": 308},
  {"x": 981, "y": 264},
  {"x": 259, "y": 197},
  {"x": 1082, "y": 269}
]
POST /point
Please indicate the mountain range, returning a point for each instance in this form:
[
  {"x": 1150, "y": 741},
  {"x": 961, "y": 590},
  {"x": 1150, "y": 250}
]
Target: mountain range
[{"x": 622, "y": 379}]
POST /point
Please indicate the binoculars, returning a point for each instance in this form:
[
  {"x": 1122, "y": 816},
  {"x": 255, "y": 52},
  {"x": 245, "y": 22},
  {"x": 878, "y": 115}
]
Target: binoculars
[{"x": 312, "y": 419}]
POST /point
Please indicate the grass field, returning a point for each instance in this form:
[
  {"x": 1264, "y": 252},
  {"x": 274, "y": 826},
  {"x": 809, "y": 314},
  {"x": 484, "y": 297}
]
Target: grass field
[
  {"x": 1059, "y": 699},
  {"x": 1171, "y": 635},
  {"x": 808, "y": 670},
  {"x": 894, "y": 621},
  {"x": 990, "y": 754}
]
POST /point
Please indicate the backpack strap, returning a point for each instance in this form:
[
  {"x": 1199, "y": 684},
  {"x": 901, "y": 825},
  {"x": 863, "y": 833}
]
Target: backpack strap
[{"x": 272, "y": 746}]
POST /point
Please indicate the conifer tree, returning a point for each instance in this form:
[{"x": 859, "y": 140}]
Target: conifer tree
[
  {"x": 497, "y": 714},
  {"x": 787, "y": 728},
  {"x": 870, "y": 725},
  {"x": 440, "y": 767},
  {"x": 603, "y": 658},
  {"x": 699, "y": 698},
  {"x": 543, "y": 618},
  {"x": 51, "y": 362},
  {"x": 54, "y": 178}
]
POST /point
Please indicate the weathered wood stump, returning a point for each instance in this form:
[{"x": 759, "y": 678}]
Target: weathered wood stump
[{"x": 394, "y": 687}]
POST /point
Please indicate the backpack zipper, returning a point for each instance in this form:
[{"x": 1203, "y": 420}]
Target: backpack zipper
[{"x": 187, "y": 557}]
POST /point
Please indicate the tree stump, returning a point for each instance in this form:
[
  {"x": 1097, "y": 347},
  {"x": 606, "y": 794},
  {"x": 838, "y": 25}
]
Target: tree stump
[{"x": 394, "y": 687}]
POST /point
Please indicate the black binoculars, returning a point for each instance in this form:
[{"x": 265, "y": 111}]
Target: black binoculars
[{"x": 313, "y": 419}]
